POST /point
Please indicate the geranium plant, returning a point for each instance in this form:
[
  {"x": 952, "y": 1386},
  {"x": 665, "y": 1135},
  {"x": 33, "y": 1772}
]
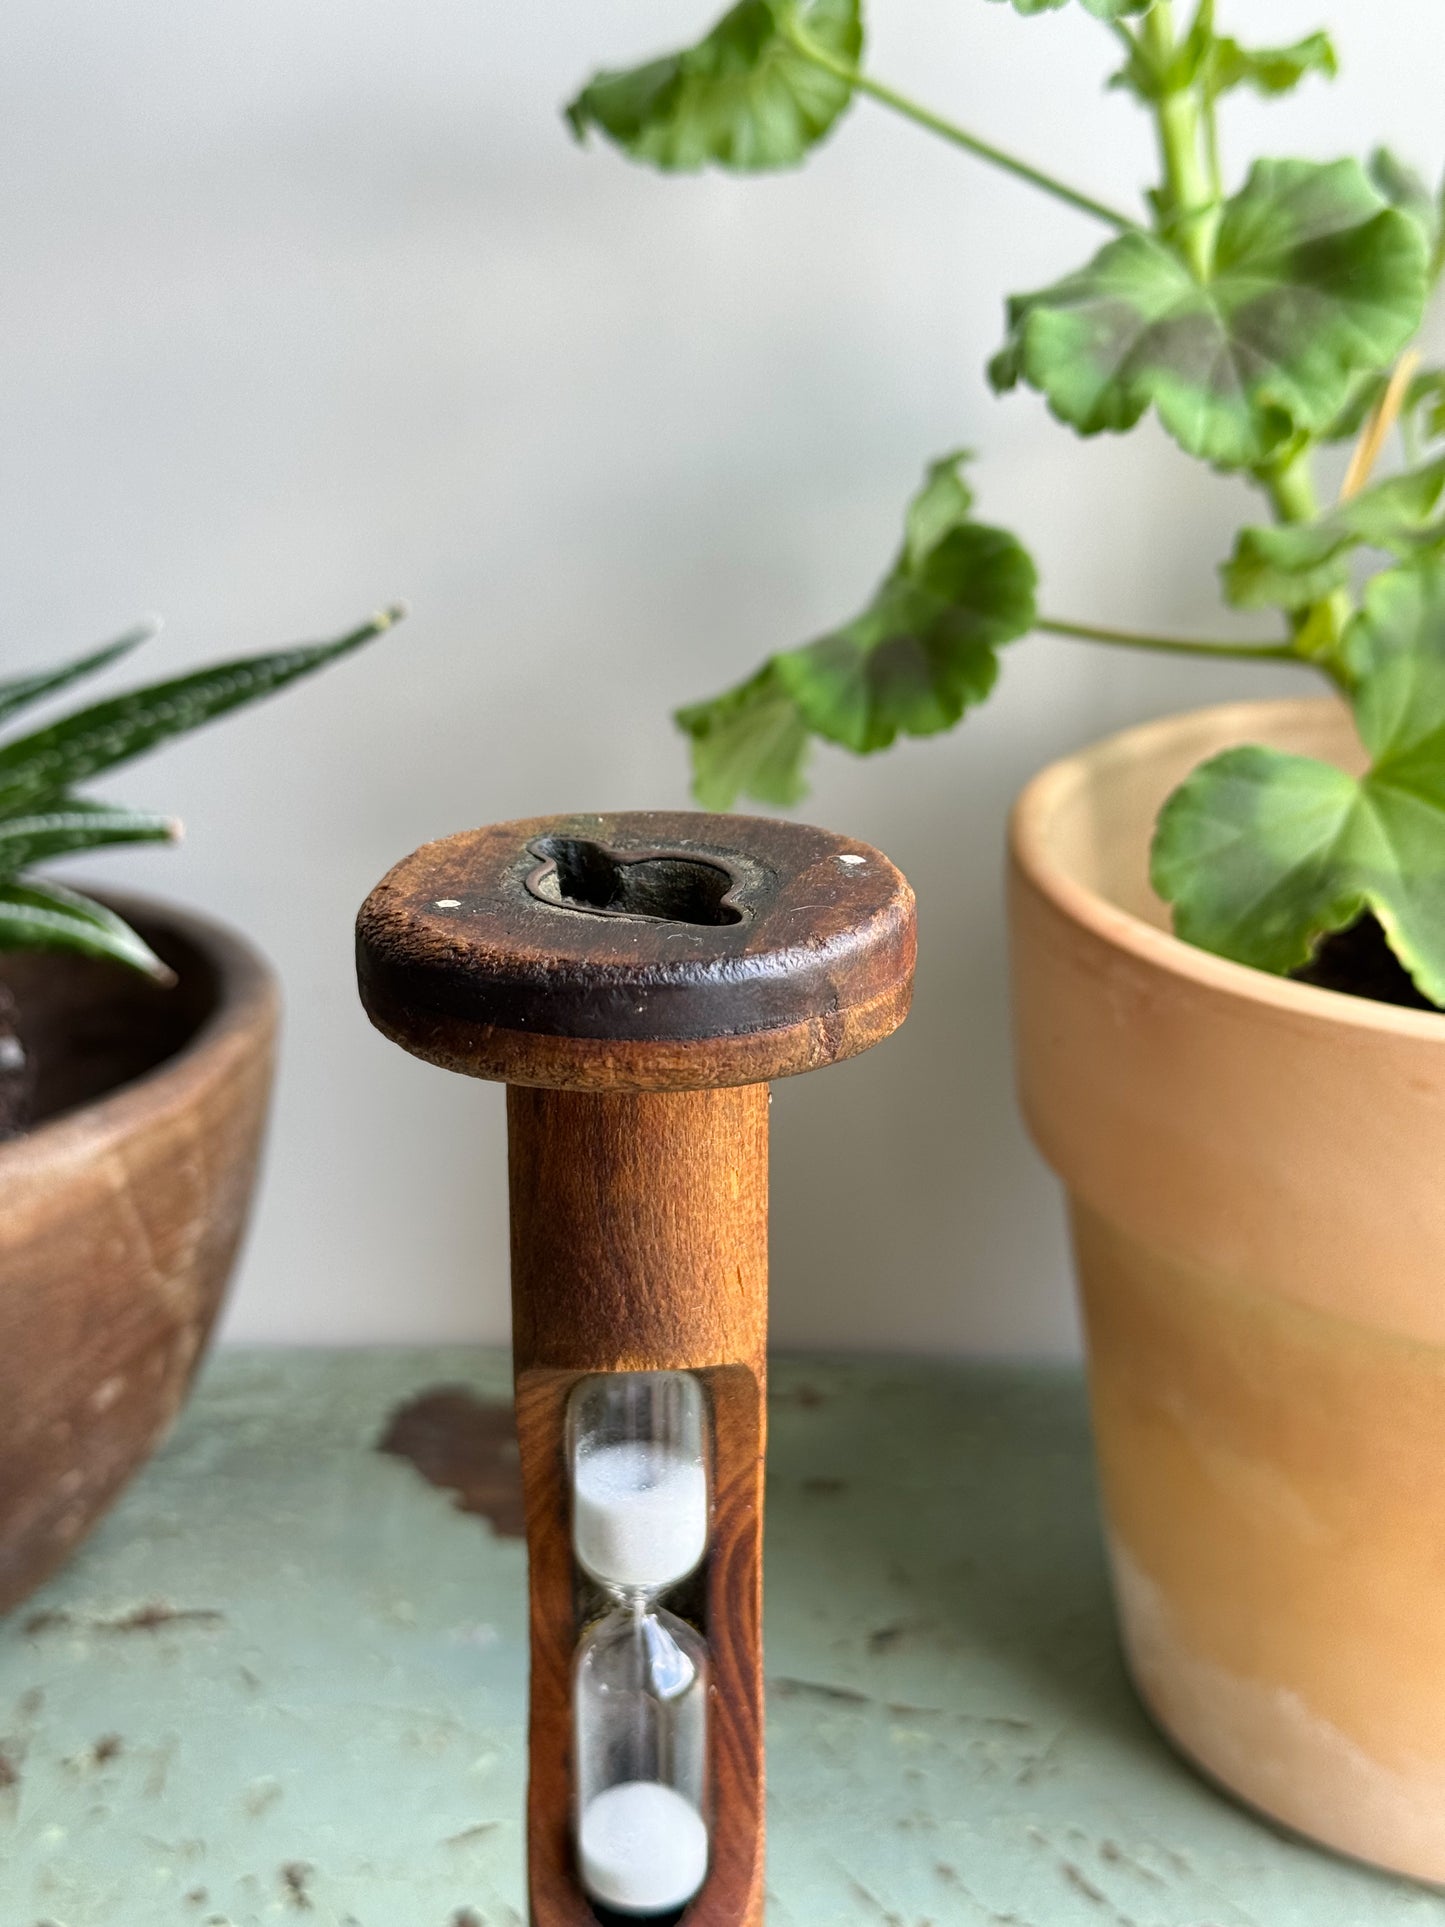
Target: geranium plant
[{"x": 1261, "y": 320}]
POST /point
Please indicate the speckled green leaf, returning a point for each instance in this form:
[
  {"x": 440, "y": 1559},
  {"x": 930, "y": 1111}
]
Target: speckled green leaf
[
  {"x": 1290, "y": 566},
  {"x": 922, "y": 652},
  {"x": 36, "y": 768},
  {"x": 1263, "y": 854},
  {"x": 76, "y": 825},
  {"x": 743, "y": 97},
  {"x": 44, "y": 916},
  {"x": 21, "y": 691},
  {"x": 1314, "y": 280}
]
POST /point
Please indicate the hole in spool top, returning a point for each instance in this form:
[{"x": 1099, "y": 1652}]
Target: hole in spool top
[{"x": 667, "y": 886}]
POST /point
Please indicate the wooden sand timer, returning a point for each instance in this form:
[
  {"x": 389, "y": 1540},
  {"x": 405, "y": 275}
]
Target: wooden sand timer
[{"x": 635, "y": 980}]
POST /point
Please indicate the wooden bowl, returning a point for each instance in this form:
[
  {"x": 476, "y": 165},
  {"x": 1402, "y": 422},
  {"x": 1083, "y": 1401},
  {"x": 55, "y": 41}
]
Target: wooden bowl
[{"x": 120, "y": 1215}]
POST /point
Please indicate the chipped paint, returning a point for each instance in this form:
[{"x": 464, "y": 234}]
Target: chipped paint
[{"x": 285, "y": 1682}]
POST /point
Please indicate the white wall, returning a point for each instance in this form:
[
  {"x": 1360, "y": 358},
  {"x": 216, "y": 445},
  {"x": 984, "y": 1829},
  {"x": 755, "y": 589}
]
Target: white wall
[{"x": 309, "y": 304}]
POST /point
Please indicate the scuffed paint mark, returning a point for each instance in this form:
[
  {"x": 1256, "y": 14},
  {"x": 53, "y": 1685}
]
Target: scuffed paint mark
[
  {"x": 153, "y": 1618},
  {"x": 1081, "y": 1883},
  {"x": 786, "y": 1688},
  {"x": 1111, "y": 1852},
  {"x": 260, "y": 1796},
  {"x": 469, "y": 1834},
  {"x": 295, "y": 1879},
  {"x": 464, "y": 1446},
  {"x": 99, "y": 1753}
]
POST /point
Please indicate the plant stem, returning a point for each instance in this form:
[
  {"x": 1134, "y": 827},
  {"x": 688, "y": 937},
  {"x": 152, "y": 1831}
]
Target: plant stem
[
  {"x": 1188, "y": 194},
  {"x": 1170, "y": 645},
  {"x": 803, "y": 43},
  {"x": 1290, "y": 486},
  {"x": 1209, "y": 102}
]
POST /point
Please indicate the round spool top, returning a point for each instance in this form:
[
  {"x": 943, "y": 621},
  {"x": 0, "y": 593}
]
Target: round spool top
[{"x": 638, "y": 951}]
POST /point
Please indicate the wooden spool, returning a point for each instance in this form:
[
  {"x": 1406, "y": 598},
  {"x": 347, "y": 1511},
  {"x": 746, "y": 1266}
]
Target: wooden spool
[{"x": 636, "y": 980}]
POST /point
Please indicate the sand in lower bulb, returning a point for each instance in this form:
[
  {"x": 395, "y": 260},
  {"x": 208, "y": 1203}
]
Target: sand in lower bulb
[
  {"x": 639, "y": 1513},
  {"x": 643, "y": 1848}
]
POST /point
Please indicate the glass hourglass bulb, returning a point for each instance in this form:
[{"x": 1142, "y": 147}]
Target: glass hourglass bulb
[
  {"x": 640, "y": 1711},
  {"x": 639, "y": 1478}
]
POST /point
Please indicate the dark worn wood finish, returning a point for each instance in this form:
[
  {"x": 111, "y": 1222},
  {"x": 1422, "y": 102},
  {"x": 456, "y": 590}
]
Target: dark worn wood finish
[
  {"x": 120, "y": 1215},
  {"x": 465, "y": 959},
  {"x": 678, "y": 1282},
  {"x": 637, "y": 980}
]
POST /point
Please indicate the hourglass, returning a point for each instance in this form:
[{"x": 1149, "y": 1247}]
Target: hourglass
[{"x": 636, "y": 980}]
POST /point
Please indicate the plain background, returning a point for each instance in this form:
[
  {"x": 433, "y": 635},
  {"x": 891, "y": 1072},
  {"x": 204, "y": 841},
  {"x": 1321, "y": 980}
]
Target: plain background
[{"x": 308, "y": 305}]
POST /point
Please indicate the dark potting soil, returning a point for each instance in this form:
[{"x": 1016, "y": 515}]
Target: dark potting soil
[
  {"x": 17, "y": 1083},
  {"x": 1359, "y": 962}
]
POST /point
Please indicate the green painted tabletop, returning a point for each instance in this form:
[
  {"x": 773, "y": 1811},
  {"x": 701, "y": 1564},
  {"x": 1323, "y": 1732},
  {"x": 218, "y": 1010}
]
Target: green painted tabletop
[{"x": 285, "y": 1681}]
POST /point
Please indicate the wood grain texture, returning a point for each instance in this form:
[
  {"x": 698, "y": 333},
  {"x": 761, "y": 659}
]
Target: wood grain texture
[
  {"x": 636, "y": 980},
  {"x": 464, "y": 959},
  {"x": 119, "y": 1217},
  {"x": 639, "y": 1243},
  {"x": 639, "y": 1228}
]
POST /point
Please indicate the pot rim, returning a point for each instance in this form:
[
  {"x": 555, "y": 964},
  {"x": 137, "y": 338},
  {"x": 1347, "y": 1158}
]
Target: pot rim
[
  {"x": 247, "y": 997},
  {"x": 1052, "y": 791}
]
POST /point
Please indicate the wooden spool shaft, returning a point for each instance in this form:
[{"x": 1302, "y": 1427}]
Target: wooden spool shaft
[{"x": 640, "y": 1243}]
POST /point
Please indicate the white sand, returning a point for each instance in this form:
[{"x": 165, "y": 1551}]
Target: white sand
[
  {"x": 643, "y": 1848},
  {"x": 639, "y": 1514}
]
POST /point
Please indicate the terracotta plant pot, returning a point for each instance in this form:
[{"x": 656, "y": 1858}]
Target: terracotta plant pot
[
  {"x": 1256, "y": 1177},
  {"x": 120, "y": 1215}
]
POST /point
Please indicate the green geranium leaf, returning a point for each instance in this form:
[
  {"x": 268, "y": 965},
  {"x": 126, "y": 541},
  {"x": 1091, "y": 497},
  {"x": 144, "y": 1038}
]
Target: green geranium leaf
[
  {"x": 1269, "y": 70},
  {"x": 751, "y": 741},
  {"x": 1292, "y": 566},
  {"x": 1403, "y": 187},
  {"x": 743, "y": 97},
  {"x": 1314, "y": 279},
  {"x": 1263, "y": 854},
  {"x": 43, "y": 916},
  {"x": 1422, "y": 416},
  {"x": 1101, "y": 9},
  {"x": 921, "y": 653}
]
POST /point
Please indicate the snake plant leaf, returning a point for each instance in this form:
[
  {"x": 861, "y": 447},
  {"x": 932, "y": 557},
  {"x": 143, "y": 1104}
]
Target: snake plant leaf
[
  {"x": 21, "y": 691},
  {"x": 922, "y": 652},
  {"x": 1291, "y": 566},
  {"x": 1227, "y": 64},
  {"x": 76, "y": 825},
  {"x": 743, "y": 97},
  {"x": 36, "y": 769},
  {"x": 1263, "y": 854},
  {"x": 45, "y": 916},
  {"x": 1314, "y": 280},
  {"x": 750, "y": 741}
]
